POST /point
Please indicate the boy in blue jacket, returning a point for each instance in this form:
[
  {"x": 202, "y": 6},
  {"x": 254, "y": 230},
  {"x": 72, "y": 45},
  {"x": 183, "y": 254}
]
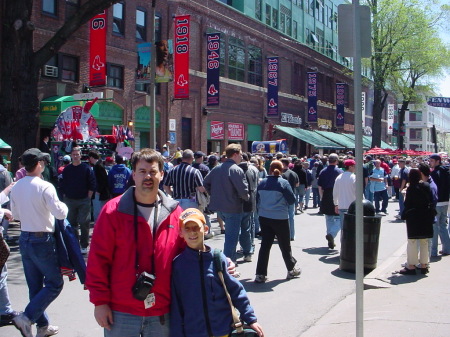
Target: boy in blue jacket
[{"x": 199, "y": 306}]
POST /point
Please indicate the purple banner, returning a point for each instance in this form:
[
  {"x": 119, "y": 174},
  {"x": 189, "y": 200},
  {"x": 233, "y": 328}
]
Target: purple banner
[
  {"x": 312, "y": 97},
  {"x": 272, "y": 86},
  {"x": 213, "y": 69},
  {"x": 340, "y": 104},
  {"x": 443, "y": 102}
]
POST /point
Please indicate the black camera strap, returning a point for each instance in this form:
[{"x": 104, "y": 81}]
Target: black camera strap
[{"x": 155, "y": 226}]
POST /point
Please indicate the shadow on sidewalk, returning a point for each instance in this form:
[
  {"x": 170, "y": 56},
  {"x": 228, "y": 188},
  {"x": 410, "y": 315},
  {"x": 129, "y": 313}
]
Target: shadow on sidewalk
[
  {"x": 320, "y": 251},
  {"x": 268, "y": 286},
  {"x": 398, "y": 279}
]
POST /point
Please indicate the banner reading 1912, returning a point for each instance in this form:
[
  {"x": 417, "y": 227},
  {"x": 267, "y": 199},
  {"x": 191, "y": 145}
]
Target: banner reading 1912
[
  {"x": 212, "y": 69},
  {"x": 312, "y": 97},
  {"x": 340, "y": 104},
  {"x": 97, "y": 50},
  {"x": 181, "y": 56},
  {"x": 272, "y": 86}
]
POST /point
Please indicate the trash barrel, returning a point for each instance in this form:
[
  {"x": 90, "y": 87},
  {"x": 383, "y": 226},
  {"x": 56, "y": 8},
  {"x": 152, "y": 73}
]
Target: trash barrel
[{"x": 372, "y": 225}]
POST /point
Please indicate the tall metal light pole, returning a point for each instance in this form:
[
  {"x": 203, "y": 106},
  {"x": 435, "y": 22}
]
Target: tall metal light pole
[{"x": 151, "y": 90}]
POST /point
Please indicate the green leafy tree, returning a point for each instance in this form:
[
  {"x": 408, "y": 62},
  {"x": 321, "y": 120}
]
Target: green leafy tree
[
  {"x": 21, "y": 64},
  {"x": 394, "y": 23}
]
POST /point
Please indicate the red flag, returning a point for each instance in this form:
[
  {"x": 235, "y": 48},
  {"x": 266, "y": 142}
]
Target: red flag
[
  {"x": 97, "y": 49},
  {"x": 181, "y": 57}
]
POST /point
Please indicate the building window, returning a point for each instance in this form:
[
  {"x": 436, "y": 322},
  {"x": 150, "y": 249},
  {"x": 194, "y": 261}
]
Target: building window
[
  {"x": 158, "y": 28},
  {"x": 254, "y": 65},
  {"x": 415, "y": 116},
  {"x": 118, "y": 19},
  {"x": 289, "y": 26},
  {"x": 236, "y": 59},
  {"x": 49, "y": 6},
  {"x": 283, "y": 22},
  {"x": 415, "y": 134},
  {"x": 114, "y": 75},
  {"x": 69, "y": 68},
  {"x": 258, "y": 10},
  {"x": 275, "y": 18},
  {"x": 268, "y": 15},
  {"x": 141, "y": 25},
  {"x": 295, "y": 30}
]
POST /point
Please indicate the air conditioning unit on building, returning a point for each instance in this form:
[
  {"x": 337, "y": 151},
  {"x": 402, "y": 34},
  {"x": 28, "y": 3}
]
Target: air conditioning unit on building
[{"x": 50, "y": 71}]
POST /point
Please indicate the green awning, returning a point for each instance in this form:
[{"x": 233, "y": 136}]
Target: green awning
[
  {"x": 107, "y": 114},
  {"x": 311, "y": 137},
  {"x": 366, "y": 140},
  {"x": 385, "y": 145},
  {"x": 4, "y": 145},
  {"x": 338, "y": 138}
]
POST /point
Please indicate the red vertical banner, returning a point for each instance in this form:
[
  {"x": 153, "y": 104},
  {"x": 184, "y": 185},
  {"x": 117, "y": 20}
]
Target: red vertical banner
[
  {"x": 97, "y": 51},
  {"x": 181, "y": 57}
]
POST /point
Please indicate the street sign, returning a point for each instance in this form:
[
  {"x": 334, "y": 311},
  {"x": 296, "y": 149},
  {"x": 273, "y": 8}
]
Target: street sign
[
  {"x": 87, "y": 96},
  {"x": 173, "y": 137},
  {"x": 345, "y": 31},
  {"x": 172, "y": 125}
]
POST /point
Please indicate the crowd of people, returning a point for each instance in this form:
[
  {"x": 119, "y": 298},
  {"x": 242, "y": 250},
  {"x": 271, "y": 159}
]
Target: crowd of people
[{"x": 151, "y": 215}]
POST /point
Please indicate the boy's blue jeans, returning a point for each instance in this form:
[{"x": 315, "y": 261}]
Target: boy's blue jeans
[{"x": 127, "y": 325}]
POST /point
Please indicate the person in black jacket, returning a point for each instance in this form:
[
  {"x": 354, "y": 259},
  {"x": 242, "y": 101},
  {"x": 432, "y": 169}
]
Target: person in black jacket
[
  {"x": 419, "y": 213},
  {"x": 101, "y": 195},
  {"x": 441, "y": 178}
]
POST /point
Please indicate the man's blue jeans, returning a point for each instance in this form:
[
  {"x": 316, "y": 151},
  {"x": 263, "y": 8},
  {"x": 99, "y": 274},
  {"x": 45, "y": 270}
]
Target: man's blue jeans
[
  {"x": 187, "y": 203},
  {"x": 127, "y": 325},
  {"x": 440, "y": 228},
  {"x": 233, "y": 226},
  {"x": 291, "y": 211},
  {"x": 316, "y": 196},
  {"x": 79, "y": 217},
  {"x": 42, "y": 272},
  {"x": 333, "y": 224},
  {"x": 367, "y": 193},
  {"x": 378, "y": 196},
  {"x": 246, "y": 233},
  {"x": 5, "y": 304},
  {"x": 341, "y": 216},
  {"x": 401, "y": 203},
  {"x": 307, "y": 196}
]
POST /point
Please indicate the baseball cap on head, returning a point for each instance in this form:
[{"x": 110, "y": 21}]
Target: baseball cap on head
[
  {"x": 199, "y": 154},
  {"x": 192, "y": 214},
  {"x": 349, "y": 162},
  {"x": 435, "y": 156},
  {"x": 31, "y": 157}
]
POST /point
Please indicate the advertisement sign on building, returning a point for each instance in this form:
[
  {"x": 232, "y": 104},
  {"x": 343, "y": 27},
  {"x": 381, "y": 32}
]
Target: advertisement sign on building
[
  {"x": 181, "y": 52},
  {"x": 272, "y": 86},
  {"x": 217, "y": 130},
  {"x": 390, "y": 119},
  {"x": 235, "y": 131},
  {"x": 97, "y": 50},
  {"x": 312, "y": 97},
  {"x": 363, "y": 108},
  {"x": 340, "y": 104},
  {"x": 212, "y": 69}
]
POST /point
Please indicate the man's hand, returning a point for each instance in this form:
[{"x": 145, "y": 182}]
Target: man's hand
[
  {"x": 258, "y": 328},
  {"x": 7, "y": 214},
  {"x": 7, "y": 189},
  {"x": 103, "y": 316}
]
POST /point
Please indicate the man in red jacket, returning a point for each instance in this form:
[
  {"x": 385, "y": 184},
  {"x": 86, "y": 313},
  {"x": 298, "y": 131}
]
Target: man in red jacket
[{"x": 135, "y": 233}]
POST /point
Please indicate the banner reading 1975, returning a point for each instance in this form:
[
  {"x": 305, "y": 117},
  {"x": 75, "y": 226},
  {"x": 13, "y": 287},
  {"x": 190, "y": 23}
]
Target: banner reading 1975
[
  {"x": 312, "y": 97},
  {"x": 181, "y": 56},
  {"x": 212, "y": 69},
  {"x": 272, "y": 86}
]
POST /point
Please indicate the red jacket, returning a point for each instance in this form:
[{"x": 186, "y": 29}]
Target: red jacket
[
  {"x": 111, "y": 271},
  {"x": 385, "y": 167}
]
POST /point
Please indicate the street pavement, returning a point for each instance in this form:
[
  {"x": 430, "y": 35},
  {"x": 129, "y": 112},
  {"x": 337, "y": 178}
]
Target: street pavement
[{"x": 321, "y": 302}]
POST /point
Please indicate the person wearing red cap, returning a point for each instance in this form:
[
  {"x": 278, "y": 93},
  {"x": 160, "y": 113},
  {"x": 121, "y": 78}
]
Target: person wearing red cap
[{"x": 344, "y": 190}]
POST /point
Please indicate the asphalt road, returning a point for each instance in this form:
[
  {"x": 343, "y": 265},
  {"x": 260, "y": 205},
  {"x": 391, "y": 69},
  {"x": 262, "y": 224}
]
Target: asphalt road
[{"x": 284, "y": 308}]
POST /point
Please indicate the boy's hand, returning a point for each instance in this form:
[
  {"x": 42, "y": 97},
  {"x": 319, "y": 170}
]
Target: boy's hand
[
  {"x": 231, "y": 267},
  {"x": 103, "y": 315},
  {"x": 258, "y": 329}
]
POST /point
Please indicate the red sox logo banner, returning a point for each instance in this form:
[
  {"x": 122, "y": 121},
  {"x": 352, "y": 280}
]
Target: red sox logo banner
[
  {"x": 340, "y": 104},
  {"x": 213, "y": 69},
  {"x": 181, "y": 57},
  {"x": 97, "y": 50},
  {"x": 272, "y": 86}
]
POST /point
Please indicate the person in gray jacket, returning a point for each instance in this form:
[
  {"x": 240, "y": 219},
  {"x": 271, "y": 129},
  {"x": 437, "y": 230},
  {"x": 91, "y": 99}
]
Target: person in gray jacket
[{"x": 228, "y": 188}]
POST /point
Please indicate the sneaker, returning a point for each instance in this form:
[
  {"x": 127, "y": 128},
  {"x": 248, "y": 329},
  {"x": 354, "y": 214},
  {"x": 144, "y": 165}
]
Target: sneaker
[
  {"x": 84, "y": 250},
  {"x": 247, "y": 258},
  {"x": 7, "y": 319},
  {"x": 382, "y": 213},
  {"x": 398, "y": 217},
  {"x": 23, "y": 324},
  {"x": 330, "y": 240},
  {"x": 260, "y": 278},
  {"x": 48, "y": 330},
  {"x": 293, "y": 273}
]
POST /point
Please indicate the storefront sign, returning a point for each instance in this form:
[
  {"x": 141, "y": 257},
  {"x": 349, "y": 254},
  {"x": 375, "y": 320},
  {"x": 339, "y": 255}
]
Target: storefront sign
[
  {"x": 324, "y": 123},
  {"x": 363, "y": 108},
  {"x": 212, "y": 69},
  {"x": 235, "y": 131},
  {"x": 291, "y": 119},
  {"x": 349, "y": 127},
  {"x": 181, "y": 52},
  {"x": 97, "y": 50},
  {"x": 340, "y": 104},
  {"x": 87, "y": 96},
  {"x": 217, "y": 130},
  {"x": 312, "y": 97},
  {"x": 390, "y": 119},
  {"x": 443, "y": 102},
  {"x": 272, "y": 86}
]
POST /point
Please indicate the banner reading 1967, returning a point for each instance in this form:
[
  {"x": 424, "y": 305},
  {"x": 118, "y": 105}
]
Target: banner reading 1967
[
  {"x": 97, "y": 51},
  {"x": 312, "y": 97},
  {"x": 181, "y": 56},
  {"x": 340, "y": 104},
  {"x": 212, "y": 69},
  {"x": 272, "y": 86}
]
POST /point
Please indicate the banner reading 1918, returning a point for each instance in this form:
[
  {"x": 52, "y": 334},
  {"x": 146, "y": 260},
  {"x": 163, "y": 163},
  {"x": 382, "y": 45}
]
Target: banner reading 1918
[
  {"x": 340, "y": 104},
  {"x": 272, "y": 86},
  {"x": 212, "y": 69},
  {"x": 312, "y": 97},
  {"x": 97, "y": 51},
  {"x": 181, "y": 55}
]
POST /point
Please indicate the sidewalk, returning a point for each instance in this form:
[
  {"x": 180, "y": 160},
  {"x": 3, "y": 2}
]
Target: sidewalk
[{"x": 395, "y": 305}]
